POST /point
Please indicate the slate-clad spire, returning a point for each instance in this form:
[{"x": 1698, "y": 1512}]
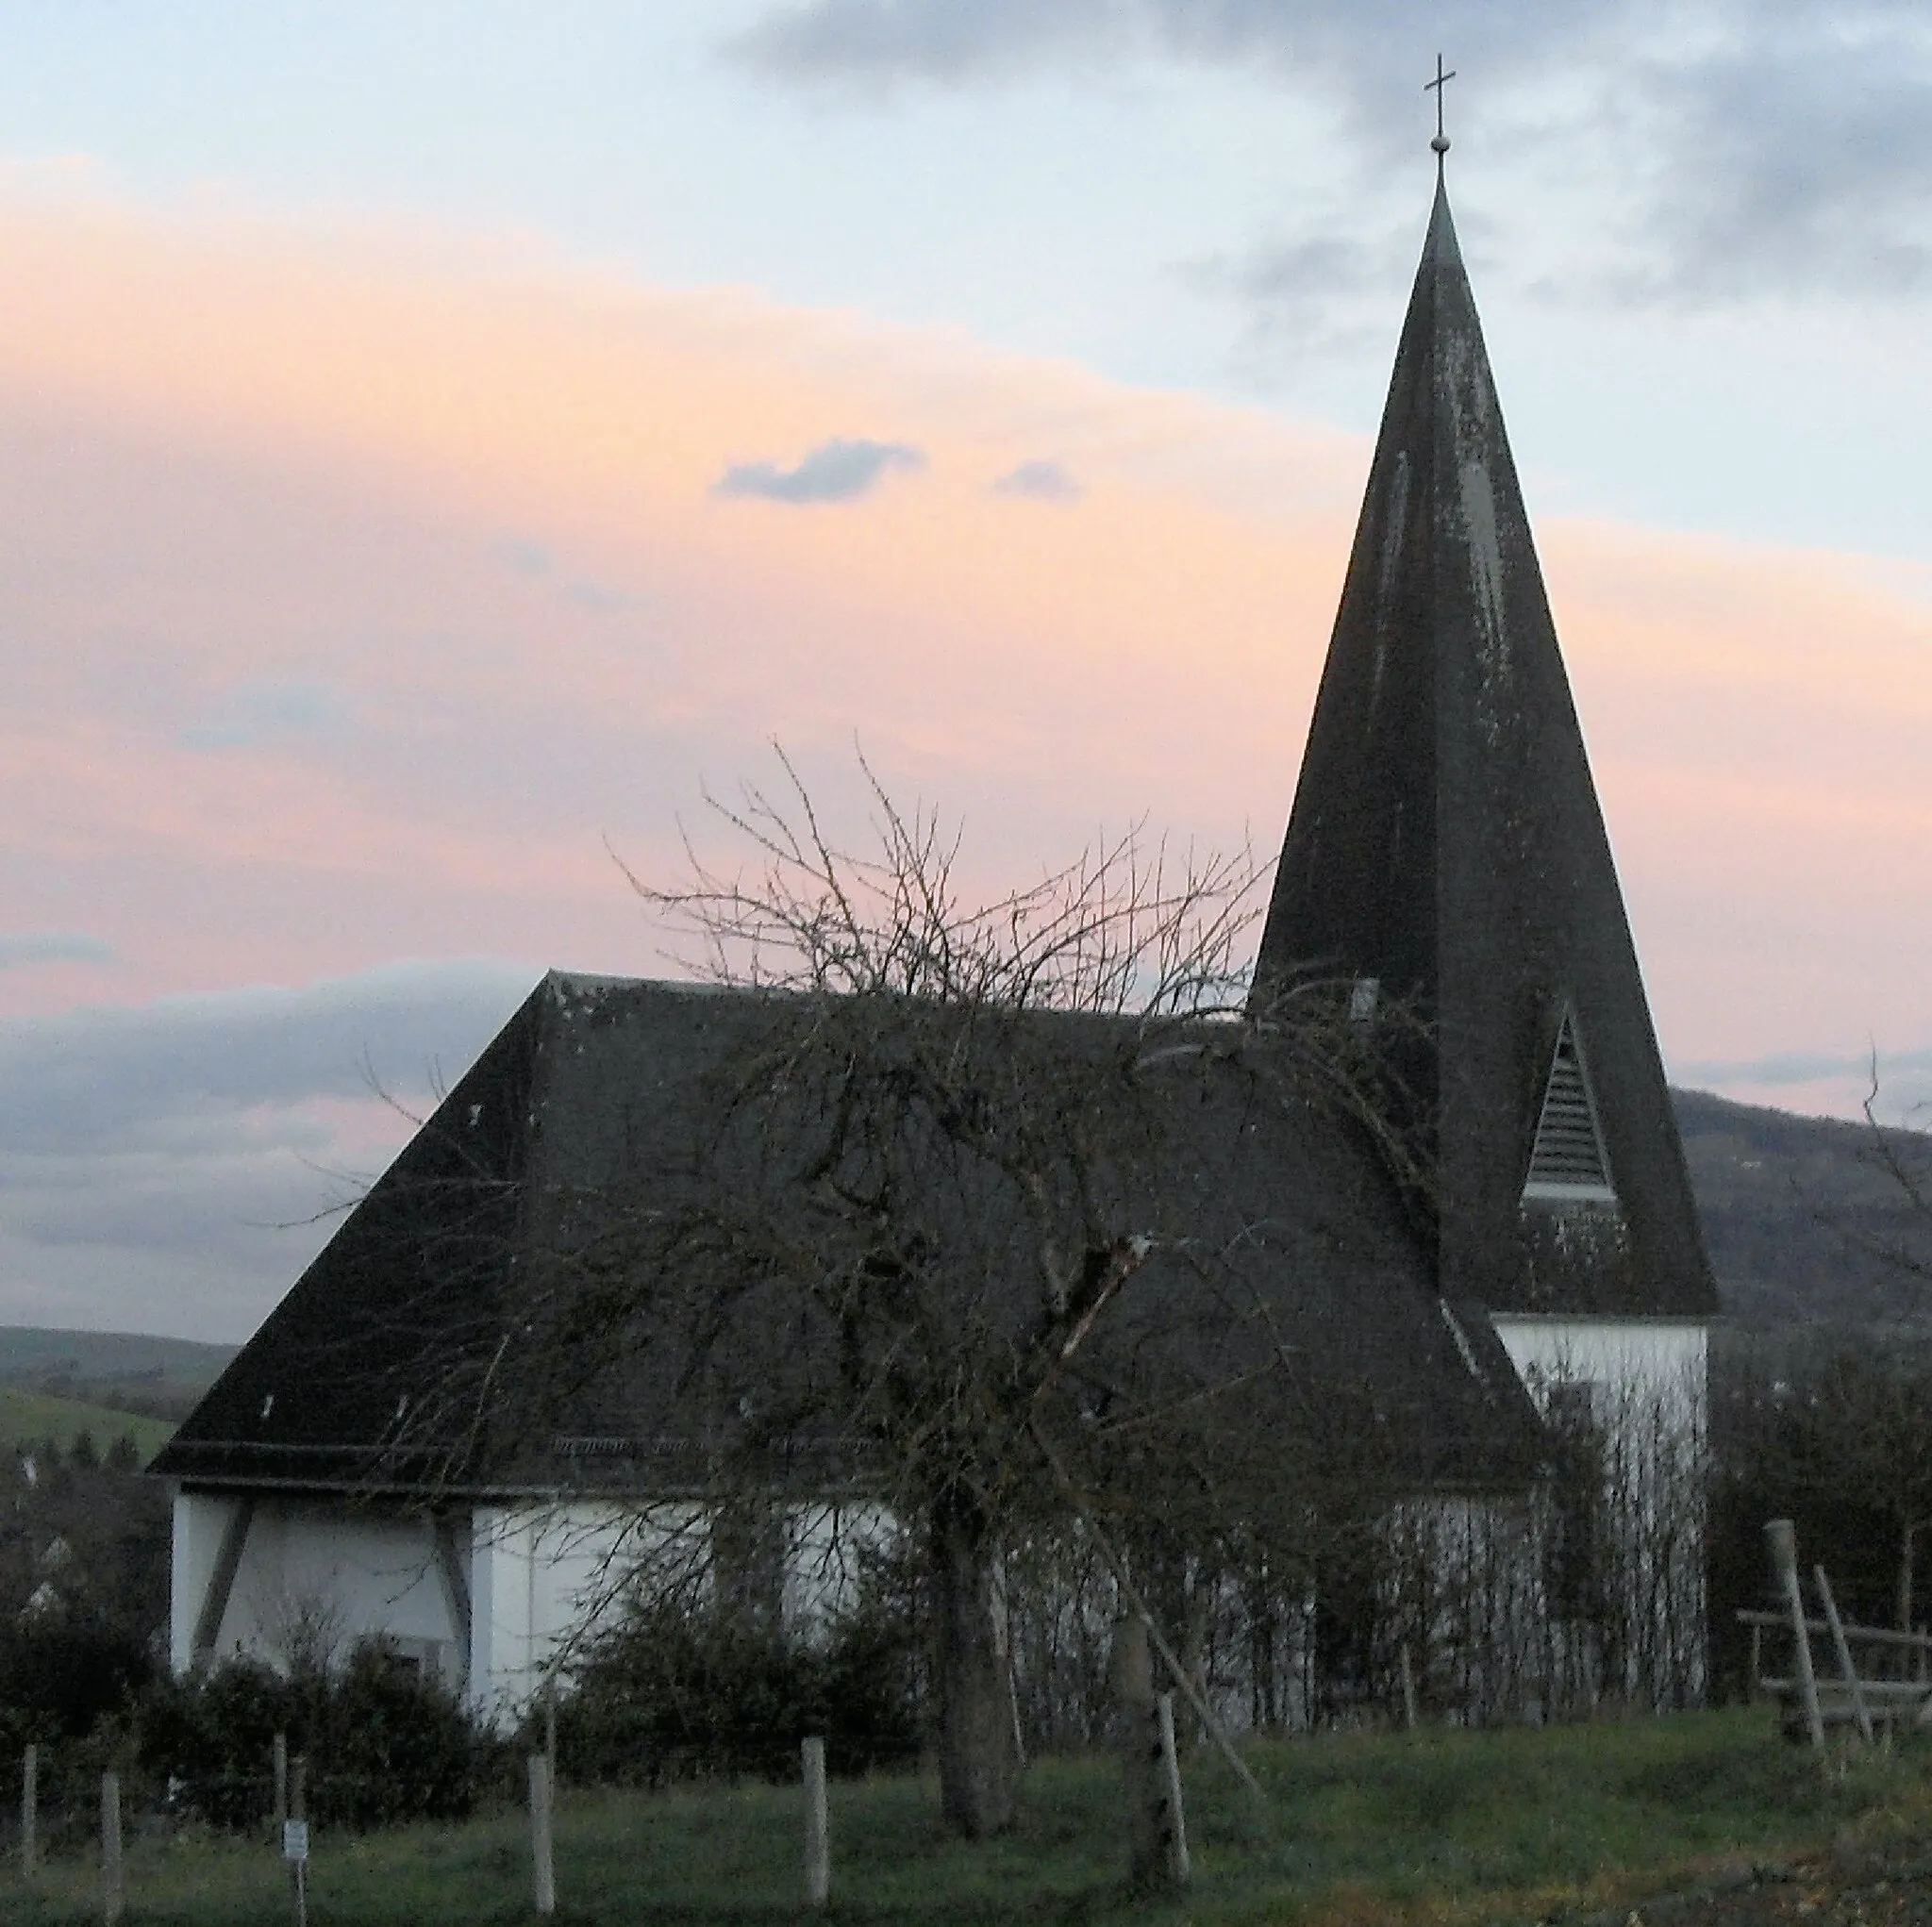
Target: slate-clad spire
[{"x": 1446, "y": 843}]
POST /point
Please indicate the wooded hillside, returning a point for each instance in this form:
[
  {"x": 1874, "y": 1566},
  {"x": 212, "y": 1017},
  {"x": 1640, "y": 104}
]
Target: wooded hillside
[{"x": 1799, "y": 1214}]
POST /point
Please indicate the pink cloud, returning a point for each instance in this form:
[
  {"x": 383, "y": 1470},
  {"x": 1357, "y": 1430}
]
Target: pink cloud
[{"x": 359, "y": 584}]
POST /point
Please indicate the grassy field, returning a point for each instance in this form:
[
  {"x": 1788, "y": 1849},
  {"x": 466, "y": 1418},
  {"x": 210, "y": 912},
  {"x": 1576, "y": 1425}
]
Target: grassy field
[
  {"x": 25, "y": 1417},
  {"x": 1444, "y": 1828}
]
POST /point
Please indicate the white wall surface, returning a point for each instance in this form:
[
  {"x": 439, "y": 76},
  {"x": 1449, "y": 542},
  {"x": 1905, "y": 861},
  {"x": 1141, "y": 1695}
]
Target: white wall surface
[
  {"x": 314, "y": 1575},
  {"x": 540, "y": 1577},
  {"x": 546, "y": 1576},
  {"x": 1658, "y": 1358}
]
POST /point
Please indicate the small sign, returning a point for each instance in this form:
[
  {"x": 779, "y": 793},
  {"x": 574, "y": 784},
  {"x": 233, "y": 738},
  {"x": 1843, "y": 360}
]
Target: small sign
[{"x": 295, "y": 1840}]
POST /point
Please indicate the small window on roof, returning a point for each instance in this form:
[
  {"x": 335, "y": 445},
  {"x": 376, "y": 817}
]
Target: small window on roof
[{"x": 1567, "y": 1160}]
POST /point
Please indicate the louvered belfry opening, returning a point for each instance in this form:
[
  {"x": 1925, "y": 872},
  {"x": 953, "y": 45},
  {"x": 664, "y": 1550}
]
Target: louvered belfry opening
[{"x": 1567, "y": 1159}]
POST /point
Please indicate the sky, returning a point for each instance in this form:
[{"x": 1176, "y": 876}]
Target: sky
[{"x": 439, "y": 442}]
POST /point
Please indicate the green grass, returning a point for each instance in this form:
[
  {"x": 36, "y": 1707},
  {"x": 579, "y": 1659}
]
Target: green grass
[
  {"x": 1444, "y": 1828},
  {"x": 27, "y": 1418}
]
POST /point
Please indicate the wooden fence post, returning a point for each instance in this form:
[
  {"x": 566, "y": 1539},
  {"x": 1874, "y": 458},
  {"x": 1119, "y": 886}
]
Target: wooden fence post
[
  {"x": 298, "y": 1817},
  {"x": 30, "y": 1812},
  {"x": 280, "y": 1759},
  {"x": 1408, "y": 1673},
  {"x": 542, "y": 1839},
  {"x": 818, "y": 1828},
  {"x": 1842, "y": 1648},
  {"x": 1782, "y": 1537},
  {"x": 113, "y": 1884}
]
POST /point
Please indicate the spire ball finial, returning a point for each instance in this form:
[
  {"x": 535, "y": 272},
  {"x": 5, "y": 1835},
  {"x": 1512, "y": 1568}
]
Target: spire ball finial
[{"x": 1439, "y": 145}]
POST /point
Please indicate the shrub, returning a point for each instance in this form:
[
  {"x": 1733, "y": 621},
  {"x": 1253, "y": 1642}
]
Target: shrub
[
  {"x": 671, "y": 1694},
  {"x": 383, "y": 1744}
]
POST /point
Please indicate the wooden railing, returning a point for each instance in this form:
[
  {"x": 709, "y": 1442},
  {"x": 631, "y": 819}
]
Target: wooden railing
[{"x": 1860, "y": 1689}]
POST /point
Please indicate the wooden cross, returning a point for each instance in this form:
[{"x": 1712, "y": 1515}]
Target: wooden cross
[{"x": 1441, "y": 143}]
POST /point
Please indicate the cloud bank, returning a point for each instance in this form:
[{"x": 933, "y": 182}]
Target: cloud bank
[
  {"x": 172, "y": 1167},
  {"x": 1789, "y": 156}
]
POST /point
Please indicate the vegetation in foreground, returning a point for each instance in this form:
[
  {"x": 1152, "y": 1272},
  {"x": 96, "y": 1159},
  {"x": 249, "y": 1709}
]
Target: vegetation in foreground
[{"x": 1441, "y": 1827}]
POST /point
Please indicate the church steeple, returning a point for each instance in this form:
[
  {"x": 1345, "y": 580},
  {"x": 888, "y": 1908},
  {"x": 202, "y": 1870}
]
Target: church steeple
[{"x": 1447, "y": 845}]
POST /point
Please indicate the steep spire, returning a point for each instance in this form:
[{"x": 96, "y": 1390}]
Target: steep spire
[{"x": 1446, "y": 844}]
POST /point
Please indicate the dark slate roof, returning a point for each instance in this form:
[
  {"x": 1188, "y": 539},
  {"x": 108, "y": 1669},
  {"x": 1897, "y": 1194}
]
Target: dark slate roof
[
  {"x": 1446, "y": 842},
  {"x": 601, "y": 1089}
]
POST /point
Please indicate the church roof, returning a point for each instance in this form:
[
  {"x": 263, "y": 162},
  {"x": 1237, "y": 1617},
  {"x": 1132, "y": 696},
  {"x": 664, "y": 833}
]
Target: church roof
[
  {"x": 600, "y": 1094},
  {"x": 1447, "y": 856}
]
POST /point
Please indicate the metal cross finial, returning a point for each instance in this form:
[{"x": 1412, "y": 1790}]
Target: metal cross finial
[{"x": 1439, "y": 145}]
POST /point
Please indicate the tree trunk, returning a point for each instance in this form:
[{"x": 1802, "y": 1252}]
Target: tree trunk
[{"x": 979, "y": 1771}]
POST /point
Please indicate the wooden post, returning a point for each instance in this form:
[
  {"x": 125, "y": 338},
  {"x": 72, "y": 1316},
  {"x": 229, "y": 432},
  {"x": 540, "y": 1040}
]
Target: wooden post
[
  {"x": 1842, "y": 1646},
  {"x": 30, "y": 1812},
  {"x": 113, "y": 1884},
  {"x": 818, "y": 1829},
  {"x": 281, "y": 1772},
  {"x": 1117, "y": 1566},
  {"x": 1409, "y": 1719},
  {"x": 1177, "y": 1830},
  {"x": 543, "y": 1843},
  {"x": 1782, "y": 1537},
  {"x": 299, "y": 1816},
  {"x": 1752, "y": 1690},
  {"x": 1137, "y": 1732}
]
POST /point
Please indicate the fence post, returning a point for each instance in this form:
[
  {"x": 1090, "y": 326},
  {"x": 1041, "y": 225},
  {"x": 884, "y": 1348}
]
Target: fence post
[
  {"x": 113, "y": 1886},
  {"x": 1408, "y": 1673},
  {"x": 542, "y": 1846},
  {"x": 298, "y": 1815},
  {"x": 281, "y": 1772},
  {"x": 1782, "y": 1535},
  {"x": 1844, "y": 1650},
  {"x": 1130, "y": 1685},
  {"x": 30, "y": 1812},
  {"x": 818, "y": 1831},
  {"x": 1177, "y": 1868}
]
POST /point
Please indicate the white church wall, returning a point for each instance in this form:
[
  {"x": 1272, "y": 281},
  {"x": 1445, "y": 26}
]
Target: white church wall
[
  {"x": 546, "y": 1577},
  {"x": 200, "y": 1521},
  {"x": 314, "y": 1577},
  {"x": 828, "y": 1549},
  {"x": 1639, "y": 1388},
  {"x": 1663, "y": 1358}
]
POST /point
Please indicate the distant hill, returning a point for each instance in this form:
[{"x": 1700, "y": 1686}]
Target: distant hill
[
  {"x": 1796, "y": 1212},
  {"x": 129, "y": 1372}
]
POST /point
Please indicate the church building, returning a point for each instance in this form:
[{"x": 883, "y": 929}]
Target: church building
[{"x": 1446, "y": 863}]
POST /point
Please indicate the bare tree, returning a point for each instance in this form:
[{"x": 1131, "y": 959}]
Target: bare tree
[
  {"x": 940, "y": 1228},
  {"x": 1904, "y": 1157}
]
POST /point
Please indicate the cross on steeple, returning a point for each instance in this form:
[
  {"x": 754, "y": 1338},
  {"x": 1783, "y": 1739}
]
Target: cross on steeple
[{"x": 1439, "y": 145}]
